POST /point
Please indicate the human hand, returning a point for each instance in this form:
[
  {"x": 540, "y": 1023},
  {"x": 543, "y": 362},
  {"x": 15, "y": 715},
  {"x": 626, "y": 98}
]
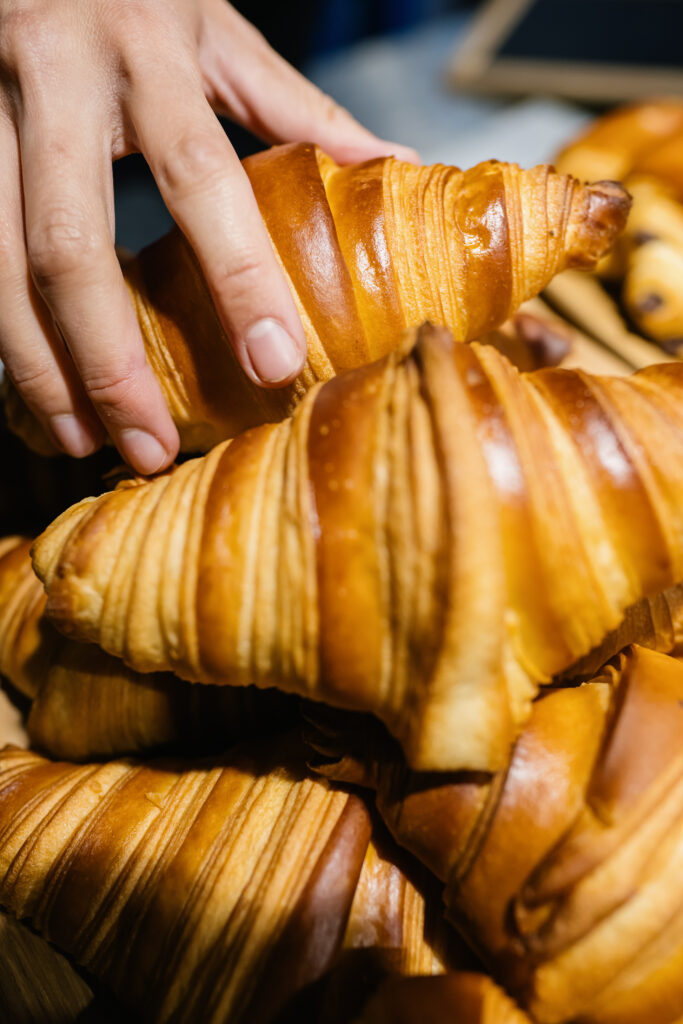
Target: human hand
[{"x": 82, "y": 83}]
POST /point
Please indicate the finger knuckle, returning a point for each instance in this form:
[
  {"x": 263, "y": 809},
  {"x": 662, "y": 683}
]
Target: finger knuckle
[
  {"x": 331, "y": 111},
  {"x": 16, "y": 30},
  {"x": 115, "y": 386},
  {"x": 136, "y": 22},
  {"x": 240, "y": 277},
  {"x": 194, "y": 162},
  {"x": 37, "y": 382},
  {"x": 28, "y": 38},
  {"x": 135, "y": 18},
  {"x": 61, "y": 244}
]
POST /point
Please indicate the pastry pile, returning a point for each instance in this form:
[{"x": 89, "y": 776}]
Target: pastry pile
[
  {"x": 393, "y": 670},
  {"x": 642, "y": 145}
]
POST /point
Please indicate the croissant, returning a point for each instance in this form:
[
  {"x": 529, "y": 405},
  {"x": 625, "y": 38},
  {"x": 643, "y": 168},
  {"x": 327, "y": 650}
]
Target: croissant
[
  {"x": 88, "y": 704},
  {"x": 368, "y": 250},
  {"x": 428, "y": 538},
  {"x": 564, "y": 870},
  {"x": 212, "y": 891}
]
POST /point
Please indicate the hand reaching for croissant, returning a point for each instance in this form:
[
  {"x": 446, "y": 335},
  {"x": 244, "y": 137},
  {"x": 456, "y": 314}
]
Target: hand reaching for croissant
[{"x": 82, "y": 83}]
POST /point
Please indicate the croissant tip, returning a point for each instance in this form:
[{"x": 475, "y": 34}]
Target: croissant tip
[
  {"x": 606, "y": 210},
  {"x": 614, "y": 198}
]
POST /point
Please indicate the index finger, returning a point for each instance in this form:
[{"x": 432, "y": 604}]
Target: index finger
[{"x": 208, "y": 193}]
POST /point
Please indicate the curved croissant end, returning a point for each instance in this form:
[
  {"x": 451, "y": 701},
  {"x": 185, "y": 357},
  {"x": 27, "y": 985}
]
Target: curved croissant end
[
  {"x": 88, "y": 704},
  {"x": 27, "y": 643},
  {"x": 564, "y": 869},
  {"x": 396, "y": 547},
  {"x": 206, "y": 891},
  {"x": 368, "y": 250}
]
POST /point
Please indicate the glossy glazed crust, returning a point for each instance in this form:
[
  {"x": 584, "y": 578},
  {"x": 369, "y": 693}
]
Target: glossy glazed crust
[
  {"x": 429, "y": 538},
  {"x": 368, "y": 250},
  {"x": 206, "y": 892},
  {"x": 563, "y": 870},
  {"x": 88, "y": 704}
]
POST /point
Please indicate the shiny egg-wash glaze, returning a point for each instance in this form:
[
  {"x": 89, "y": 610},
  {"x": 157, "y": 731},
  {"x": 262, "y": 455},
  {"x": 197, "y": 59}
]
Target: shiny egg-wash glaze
[
  {"x": 564, "y": 869},
  {"x": 209, "y": 891},
  {"x": 368, "y": 250},
  {"x": 428, "y": 538},
  {"x": 88, "y": 704}
]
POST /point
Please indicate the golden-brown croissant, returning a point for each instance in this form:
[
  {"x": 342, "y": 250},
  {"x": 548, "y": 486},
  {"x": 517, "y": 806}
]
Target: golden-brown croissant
[
  {"x": 88, "y": 704},
  {"x": 208, "y": 892},
  {"x": 565, "y": 869},
  {"x": 428, "y": 538},
  {"x": 368, "y": 250}
]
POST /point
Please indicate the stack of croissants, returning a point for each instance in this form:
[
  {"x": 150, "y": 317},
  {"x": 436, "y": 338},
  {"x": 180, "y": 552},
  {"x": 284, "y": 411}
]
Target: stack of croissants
[
  {"x": 642, "y": 145},
  {"x": 392, "y": 664}
]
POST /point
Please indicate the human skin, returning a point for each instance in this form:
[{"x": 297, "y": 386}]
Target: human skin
[{"x": 83, "y": 83}]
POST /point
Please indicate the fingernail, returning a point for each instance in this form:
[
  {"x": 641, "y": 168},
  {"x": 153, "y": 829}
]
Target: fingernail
[
  {"x": 273, "y": 353},
  {"x": 142, "y": 450},
  {"x": 73, "y": 435}
]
